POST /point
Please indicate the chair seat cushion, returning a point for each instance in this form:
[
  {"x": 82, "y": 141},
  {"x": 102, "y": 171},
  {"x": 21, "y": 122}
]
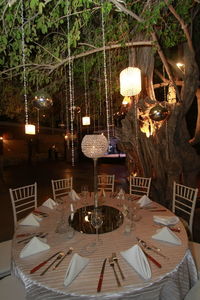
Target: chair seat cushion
[
  {"x": 11, "y": 288},
  {"x": 5, "y": 258}
]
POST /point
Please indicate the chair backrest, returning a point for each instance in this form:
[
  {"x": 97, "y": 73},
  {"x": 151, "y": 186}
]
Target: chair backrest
[
  {"x": 61, "y": 187},
  {"x": 184, "y": 201},
  {"x": 139, "y": 185},
  {"x": 106, "y": 182},
  {"x": 24, "y": 200}
]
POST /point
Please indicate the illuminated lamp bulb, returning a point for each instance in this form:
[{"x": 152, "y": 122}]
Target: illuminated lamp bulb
[
  {"x": 130, "y": 82},
  {"x": 85, "y": 121},
  {"x": 29, "y": 129},
  {"x": 126, "y": 100}
]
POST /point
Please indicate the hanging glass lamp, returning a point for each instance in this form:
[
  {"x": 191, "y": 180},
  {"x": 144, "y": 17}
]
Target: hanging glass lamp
[
  {"x": 42, "y": 100},
  {"x": 130, "y": 82},
  {"x": 85, "y": 121},
  {"x": 29, "y": 129}
]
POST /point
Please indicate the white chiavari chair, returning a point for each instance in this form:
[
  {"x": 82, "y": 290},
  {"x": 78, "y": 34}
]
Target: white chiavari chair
[
  {"x": 184, "y": 202},
  {"x": 24, "y": 200},
  {"x": 106, "y": 182},
  {"x": 61, "y": 187},
  {"x": 139, "y": 186}
]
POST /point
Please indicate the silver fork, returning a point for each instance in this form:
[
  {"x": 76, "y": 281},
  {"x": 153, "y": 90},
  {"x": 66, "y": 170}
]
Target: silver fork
[
  {"x": 111, "y": 262},
  {"x": 115, "y": 259},
  {"x": 60, "y": 255}
]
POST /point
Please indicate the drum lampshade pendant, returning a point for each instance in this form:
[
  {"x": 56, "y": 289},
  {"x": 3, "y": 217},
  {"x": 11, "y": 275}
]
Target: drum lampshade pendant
[
  {"x": 29, "y": 129},
  {"x": 85, "y": 121},
  {"x": 130, "y": 82}
]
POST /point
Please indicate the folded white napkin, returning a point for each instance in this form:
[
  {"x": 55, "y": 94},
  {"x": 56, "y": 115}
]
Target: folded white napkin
[
  {"x": 73, "y": 195},
  {"x": 76, "y": 265},
  {"x": 50, "y": 203},
  {"x": 137, "y": 259},
  {"x": 166, "y": 220},
  {"x": 144, "y": 200},
  {"x": 34, "y": 246},
  {"x": 166, "y": 235},
  {"x": 30, "y": 220}
]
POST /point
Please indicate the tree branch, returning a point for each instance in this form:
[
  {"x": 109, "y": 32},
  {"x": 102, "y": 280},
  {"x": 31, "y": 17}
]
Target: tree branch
[
  {"x": 183, "y": 25},
  {"x": 110, "y": 47}
]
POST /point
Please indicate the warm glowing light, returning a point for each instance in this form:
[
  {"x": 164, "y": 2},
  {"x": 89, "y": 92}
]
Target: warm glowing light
[
  {"x": 86, "y": 120},
  {"x": 171, "y": 95},
  {"x": 181, "y": 66},
  {"x": 130, "y": 82},
  {"x": 30, "y": 129},
  {"x": 126, "y": 100},
  {"x": 1, "y": 138},
  {"x": 145, "y": 128}
]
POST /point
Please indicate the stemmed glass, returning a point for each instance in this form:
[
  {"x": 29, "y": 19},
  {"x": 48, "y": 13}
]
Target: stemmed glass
[{"x": 96, "y": 221}]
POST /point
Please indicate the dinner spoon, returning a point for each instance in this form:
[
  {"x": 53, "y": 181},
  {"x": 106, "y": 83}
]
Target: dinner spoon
[{"x": 60, "y": 255}]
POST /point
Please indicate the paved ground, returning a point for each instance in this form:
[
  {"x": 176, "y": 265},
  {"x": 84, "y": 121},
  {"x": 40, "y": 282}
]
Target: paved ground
[{"x": 42, "y": 173}]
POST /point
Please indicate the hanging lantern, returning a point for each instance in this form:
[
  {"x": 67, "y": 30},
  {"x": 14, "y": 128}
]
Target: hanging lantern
[
  {"x": 130, "y": 82},
  {"x": 126, "y": 100},
  {"x": 158, "y": 113},
  {"x": 42, "y": 100},
  {"x": 85, "y": 121},
  {"x": 171, "y": 95},
  {"x": 29, "y": 129},
  {"x": 94, "y": 145}
]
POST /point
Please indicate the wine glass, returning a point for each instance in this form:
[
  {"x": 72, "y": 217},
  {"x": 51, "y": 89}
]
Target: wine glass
[{"x": 97, "y": 221}]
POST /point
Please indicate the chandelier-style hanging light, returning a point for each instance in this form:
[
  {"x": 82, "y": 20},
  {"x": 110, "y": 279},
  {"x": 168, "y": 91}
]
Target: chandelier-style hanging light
[
  {"x": 29, "y": 129},
  {"x": 130, "y": 81}
]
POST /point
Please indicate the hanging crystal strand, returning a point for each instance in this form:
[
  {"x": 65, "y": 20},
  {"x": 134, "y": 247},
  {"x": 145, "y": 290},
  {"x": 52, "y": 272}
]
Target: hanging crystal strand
[
  {"x": 66, "y": 104},
  {"x": 24, "y": 64},
  {"x": 100, "y": 100},
  {"x": 85, "y": 87},
  {"x": 166, "y": 122},
  {"x": 111, "y": 99},
  {"x": 136, "y": 124},
  {"x": 70, "y": 87},
  {"x": 105, "y": 73}
]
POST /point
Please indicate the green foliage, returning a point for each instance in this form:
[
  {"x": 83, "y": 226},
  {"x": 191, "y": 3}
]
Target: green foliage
[{"x": 47, "y": 38}]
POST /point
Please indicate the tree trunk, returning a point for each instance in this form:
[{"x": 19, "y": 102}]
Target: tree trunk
[{"x": 166, "y": 156}]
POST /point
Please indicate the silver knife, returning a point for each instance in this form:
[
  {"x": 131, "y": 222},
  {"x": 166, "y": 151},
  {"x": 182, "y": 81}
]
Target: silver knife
[{"x": 152, "y": 248}]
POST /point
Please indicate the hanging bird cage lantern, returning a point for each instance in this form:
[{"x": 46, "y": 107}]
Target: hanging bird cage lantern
[
  {"x": 130, "y": 82},
  {"x": 171, "y": 95},
  {"x": 30, "y": 129},
  {"x": 86, "y": 121}
]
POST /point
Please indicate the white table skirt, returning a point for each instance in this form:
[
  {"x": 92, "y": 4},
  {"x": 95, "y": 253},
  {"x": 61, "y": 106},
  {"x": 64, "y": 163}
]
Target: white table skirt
[{"x": 172, "y": 281}]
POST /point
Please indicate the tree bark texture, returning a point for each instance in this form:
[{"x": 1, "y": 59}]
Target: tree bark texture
[{"x": 166, "y": 156}]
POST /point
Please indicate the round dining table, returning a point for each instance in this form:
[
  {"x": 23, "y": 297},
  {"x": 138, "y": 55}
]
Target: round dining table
[{"x": 126, "y": 223}]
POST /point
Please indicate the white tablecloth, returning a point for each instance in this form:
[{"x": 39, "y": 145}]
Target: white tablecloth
[{"x": 177, "y": 275}]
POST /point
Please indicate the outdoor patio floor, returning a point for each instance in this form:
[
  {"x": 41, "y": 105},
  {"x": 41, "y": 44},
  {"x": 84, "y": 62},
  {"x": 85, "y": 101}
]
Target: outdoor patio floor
[{"x": 43, "y": 172}]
